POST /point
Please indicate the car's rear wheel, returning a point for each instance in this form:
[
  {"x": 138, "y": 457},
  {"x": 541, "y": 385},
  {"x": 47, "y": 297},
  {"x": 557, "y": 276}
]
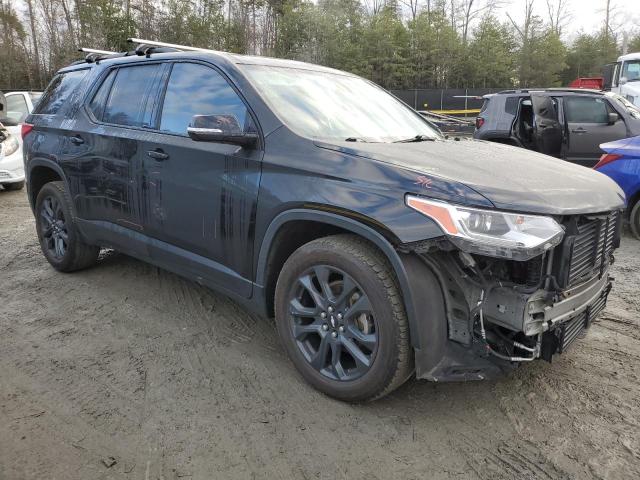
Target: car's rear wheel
[
  {"x": 634, "y": 220},
  {"x": 342, "y": 320},
  {"x": 59, "y": 237},
  {"x": 13, "y": 185}
]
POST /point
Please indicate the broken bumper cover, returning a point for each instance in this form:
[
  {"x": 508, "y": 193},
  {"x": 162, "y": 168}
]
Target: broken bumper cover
[{"x": 560, "y": 325}]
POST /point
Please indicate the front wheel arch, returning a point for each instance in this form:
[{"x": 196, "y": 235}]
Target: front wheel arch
[{"x": 349, "y": 225}]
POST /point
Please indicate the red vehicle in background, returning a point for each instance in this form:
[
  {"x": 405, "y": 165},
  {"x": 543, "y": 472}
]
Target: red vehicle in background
[{"x": 596, "y": 83}]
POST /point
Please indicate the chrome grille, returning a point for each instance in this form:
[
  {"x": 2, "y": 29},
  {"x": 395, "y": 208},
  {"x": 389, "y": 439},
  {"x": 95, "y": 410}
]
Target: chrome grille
[{"x": 592, "y": 247}]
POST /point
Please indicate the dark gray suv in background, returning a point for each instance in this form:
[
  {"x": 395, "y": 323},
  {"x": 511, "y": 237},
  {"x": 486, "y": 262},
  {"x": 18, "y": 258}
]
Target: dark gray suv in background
[
  {"x": 565, "y": 123},
  {"x": 312, "y": 195}
]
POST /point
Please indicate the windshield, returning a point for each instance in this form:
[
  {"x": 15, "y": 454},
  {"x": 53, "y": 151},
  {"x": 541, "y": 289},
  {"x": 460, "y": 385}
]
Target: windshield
[
  {"x": 336, "y": 107},
  {"x": 631, "y": 70},
  {"x": 630, "y": 107}
]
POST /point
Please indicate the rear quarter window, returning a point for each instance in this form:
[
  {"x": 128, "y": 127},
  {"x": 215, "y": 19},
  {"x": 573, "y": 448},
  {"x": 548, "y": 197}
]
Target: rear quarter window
[
  {"x": 59, "y": 91},
  {"x": 131, "y": 97},
  {"x": 511, "y": 105}
]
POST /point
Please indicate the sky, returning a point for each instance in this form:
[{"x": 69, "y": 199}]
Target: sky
[{"x": 584, "y": 15}]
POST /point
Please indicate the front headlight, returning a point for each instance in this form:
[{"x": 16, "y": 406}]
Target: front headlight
[
  {"x": 9, "y": 146},
  {"x": 490, "y": 232}
]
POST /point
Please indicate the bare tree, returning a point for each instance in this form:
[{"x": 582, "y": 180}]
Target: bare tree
[
  {"x": 413, "y": 6},
  {"x": 558, "y": 11},
  {"x": 473, "y": 9}
]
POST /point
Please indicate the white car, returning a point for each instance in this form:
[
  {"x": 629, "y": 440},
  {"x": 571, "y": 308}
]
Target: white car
[{"x": 17, "y": 105}]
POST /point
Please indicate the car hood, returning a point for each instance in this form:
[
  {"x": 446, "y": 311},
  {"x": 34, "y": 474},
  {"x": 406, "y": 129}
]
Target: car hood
[{"x": 509, "y": 177}]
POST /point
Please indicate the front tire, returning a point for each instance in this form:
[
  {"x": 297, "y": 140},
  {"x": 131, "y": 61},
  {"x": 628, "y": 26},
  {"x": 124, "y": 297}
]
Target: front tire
[
  {"x": 341, "y": 319},
  {"x": 58, "y": 234},
  {"x": 634, "y": 220}
]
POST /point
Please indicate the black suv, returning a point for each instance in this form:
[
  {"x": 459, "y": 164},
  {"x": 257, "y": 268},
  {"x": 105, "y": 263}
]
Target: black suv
[
  {"x": 312, "y": 195},
  {"x": 567, "y": 123}
]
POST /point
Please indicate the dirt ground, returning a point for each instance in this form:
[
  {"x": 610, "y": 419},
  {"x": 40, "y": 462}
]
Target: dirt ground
[{"x": 125, "y": 371}]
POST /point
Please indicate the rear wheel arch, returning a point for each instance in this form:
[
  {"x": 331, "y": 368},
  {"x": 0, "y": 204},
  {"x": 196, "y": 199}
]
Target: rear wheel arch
[
  {"x": 273, "y": 253},
  {"x": 40, "y": 173}
]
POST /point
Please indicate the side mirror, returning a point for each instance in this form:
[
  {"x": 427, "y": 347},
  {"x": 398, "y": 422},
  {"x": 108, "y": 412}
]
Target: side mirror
[
  {"x": 613, "y": 118},
  {"x": 622, "y": 80},
  {"x": 221, "y": 129}
]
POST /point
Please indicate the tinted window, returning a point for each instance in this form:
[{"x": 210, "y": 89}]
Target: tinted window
[
  {"x": 485, "y": 104},
  {"x": 511, "y": 105},
  {"x": 131, "y": 98},
  {"x": 198, "y": 90},
  {"x": 586, "y": 110},
  {"x": 17, "y": 107},
  {"x": 100, "y": 98},
  {"x": 59, "y": 91}
]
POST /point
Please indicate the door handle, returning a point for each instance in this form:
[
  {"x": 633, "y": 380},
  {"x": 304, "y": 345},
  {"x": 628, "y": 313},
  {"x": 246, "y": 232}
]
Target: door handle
[
  {"x": 579, "y": 130},
  {"x": 157, "y": 154},
  {"x": 76, "y": 140}
]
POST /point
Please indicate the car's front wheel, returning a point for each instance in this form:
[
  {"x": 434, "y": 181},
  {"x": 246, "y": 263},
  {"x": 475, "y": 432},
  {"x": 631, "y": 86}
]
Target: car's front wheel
[
  {"x": 341, "y": 318},
  {"x": 58, "y": 234}
]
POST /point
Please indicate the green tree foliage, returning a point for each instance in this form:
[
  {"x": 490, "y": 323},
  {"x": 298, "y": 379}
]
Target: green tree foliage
[
  {"x": 491, "y": 61},
  {"x": 396, "y": 43},
  {"x": 588, "y": 54},
  {"x": 634, "y": 43}
]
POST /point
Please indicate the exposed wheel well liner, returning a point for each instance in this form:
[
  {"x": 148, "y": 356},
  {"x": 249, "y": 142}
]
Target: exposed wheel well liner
[{"x": 293, "y": 228}]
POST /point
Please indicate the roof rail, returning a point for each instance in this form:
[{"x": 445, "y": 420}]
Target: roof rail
[
  {"x": 93, "y": 50},
  {"x": 94, "y": 55},
  {"x": 153, "y": 43}
]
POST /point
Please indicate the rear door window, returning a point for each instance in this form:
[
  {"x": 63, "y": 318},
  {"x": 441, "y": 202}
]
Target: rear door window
[
  {"x": 59, "y": 91},
  {"x": 586, "y": 110},
  {"x": 195, "y": 89},
  {"x": 131, "y": 98}
]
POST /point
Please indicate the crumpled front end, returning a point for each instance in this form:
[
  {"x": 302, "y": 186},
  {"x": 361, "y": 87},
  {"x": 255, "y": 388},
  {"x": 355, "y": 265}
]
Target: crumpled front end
[{"x": 501, "y": 312}]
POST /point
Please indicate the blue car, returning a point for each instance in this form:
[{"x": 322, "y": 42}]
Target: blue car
[{"x": 621, "y": 162}]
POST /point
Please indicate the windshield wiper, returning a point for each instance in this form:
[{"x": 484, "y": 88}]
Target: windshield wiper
[
  {"x": 417, "y": 138},
  {"x": 355, "y": 139}
]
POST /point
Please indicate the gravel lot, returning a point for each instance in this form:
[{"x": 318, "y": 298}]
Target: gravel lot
[{"x": 130, "y": 364}]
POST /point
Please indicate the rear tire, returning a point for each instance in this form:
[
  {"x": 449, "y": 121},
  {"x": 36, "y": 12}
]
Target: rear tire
[
  {"x": 13, "y": 186},
  {"x": 58, "y": 233},
  {"x": 341, "y": 319},
  {"x": 634, "y": 220}
]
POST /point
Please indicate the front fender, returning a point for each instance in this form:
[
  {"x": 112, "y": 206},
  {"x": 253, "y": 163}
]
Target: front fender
[{"x": 356, "y": 227}]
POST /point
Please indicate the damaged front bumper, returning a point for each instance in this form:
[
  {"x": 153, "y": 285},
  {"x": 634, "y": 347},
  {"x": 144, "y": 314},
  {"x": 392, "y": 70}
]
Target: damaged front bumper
[{"x": 550, "y": 321}]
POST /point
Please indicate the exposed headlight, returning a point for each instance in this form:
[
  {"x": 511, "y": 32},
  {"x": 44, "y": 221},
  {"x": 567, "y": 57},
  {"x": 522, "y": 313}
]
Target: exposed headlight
[
  {"x": 490, "y": 232},
  {"x": 9, "y": 146}
]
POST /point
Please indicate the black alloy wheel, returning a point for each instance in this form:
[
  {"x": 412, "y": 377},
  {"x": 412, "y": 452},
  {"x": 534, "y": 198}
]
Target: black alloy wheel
[
  {"x": 58, "y": 233},
  {"x": 333, "y": 323},
  {"x": 54, "y": 227},
  {"x": 341, "y": 318}
]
